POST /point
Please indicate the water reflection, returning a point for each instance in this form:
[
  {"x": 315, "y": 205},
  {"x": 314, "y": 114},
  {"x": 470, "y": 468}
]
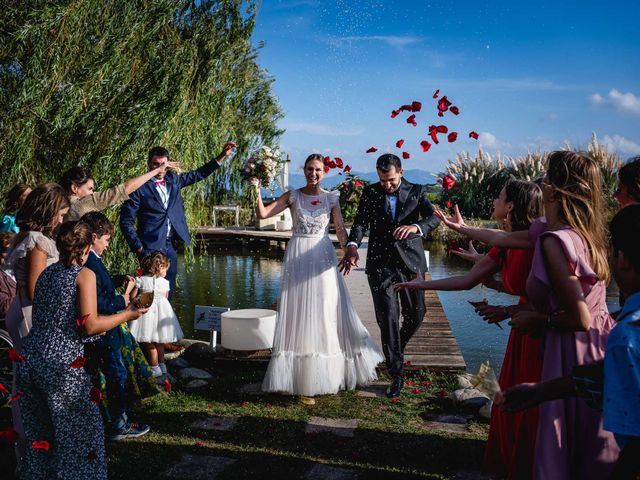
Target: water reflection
[{"x": 245, "y": 279}]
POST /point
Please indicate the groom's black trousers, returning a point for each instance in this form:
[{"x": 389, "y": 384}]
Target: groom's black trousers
[{"x": 388, "y": 306}]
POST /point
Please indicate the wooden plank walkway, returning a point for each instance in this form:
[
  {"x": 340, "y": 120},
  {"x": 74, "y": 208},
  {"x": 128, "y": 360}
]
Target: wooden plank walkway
[{"x": 433, "y": 346}]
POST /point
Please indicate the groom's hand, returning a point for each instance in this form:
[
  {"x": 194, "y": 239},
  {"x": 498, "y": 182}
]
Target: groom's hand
[
  {"x": 404, "y": 231},
  {"x": 226, "y": 151},
  {"x": 350, "y": 259}
]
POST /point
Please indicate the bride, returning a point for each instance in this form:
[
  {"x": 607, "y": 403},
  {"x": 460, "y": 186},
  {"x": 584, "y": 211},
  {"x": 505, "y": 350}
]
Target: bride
[{"x": 320, "y": 344}]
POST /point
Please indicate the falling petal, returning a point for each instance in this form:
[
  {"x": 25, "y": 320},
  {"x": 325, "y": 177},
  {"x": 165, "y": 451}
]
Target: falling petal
[
  {"x": 17, "y": 396},
  {"x": 339, "y": 162},
  {"x": 425, "y": 145},
  {"x": 40, "y": 445},
  {"x": 3, "y": 389},
  {"x": 82, "y": 320},
  {"x": 78, "y": 362},
  {"x": 473, "y": 135},
  {"x": 167, "y": 385},
  {"x": 399, "y": 143},
  {"x": 14, "y": 356},
  {"x": 395, "y": 113},
  {"x": 347, "y": 168},
  {"x": 326, "y": 168},
  {"x": 436, "y": 93},
  {"x": 448, "y": 182},
  {"x": 452, "y": 137},
  {"x": 95, "y": 394},
  {"x": 406, "y": 155},
  {"x": 372, "y": 150},
  {"x": 416, "y": 106},
  {"x": 442, "y": 129},
  {"x": 455, "y": 110},
  {"x": 412, "y": 120}
]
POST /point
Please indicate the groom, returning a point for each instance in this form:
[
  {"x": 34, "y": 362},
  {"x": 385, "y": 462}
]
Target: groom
[
  {"x": 397, "y": 215},
  {"x": 157, "y": 208}
]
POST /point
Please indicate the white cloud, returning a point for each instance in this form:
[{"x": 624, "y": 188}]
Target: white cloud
[
  {"x": 391, "y": 40},
  {"x": 321, "y": 129},
  {"x": 488, "y": 140},
  {"x": 621, "y": 145},
  {"x": 626, "y": 102}
]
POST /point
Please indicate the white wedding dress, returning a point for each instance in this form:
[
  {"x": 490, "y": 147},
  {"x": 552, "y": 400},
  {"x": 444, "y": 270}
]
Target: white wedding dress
[{"x": 320, "y": 345}]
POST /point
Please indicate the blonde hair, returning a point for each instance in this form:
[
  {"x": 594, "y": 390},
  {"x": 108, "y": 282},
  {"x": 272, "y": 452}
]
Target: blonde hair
[{"x": 577, "y": 179}]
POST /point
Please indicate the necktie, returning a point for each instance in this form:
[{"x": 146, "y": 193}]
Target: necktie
[{"x": 160, "y": 182}]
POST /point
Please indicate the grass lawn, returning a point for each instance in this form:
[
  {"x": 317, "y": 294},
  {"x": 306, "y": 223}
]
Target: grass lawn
[{"x": 269, "y": 439}]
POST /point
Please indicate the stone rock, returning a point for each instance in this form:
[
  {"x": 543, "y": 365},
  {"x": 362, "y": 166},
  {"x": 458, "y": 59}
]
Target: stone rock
[
  {"x": 222, "y": 424},
  {"x": 485, "y": 411},
  {"x": 464, "y": 394},
  {"x": 444, "y": 427},
  {"x": 251, "y": 389},
  {"x": 464, "y": 382},
  {"x": 473, "y": 405},
  {"x": 326, "y": 472},
  {"x": 342, "y": 427},
  {"x": 373, "y": 391},
  {"x": 199, "y": 354},
  {"x": 177, "y": 363},
  {"x": 192, "y": 373},
  {"x": 447, "y": 418},
  {"x": 199, "y": 467},
  {"x": 196, "y": 384}
]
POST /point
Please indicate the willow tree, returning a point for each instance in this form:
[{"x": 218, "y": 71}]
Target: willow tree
[{"x": 99, "y": 82}]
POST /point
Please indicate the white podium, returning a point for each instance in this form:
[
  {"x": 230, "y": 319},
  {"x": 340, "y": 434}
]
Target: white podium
[{"x": 248, "y": 329}]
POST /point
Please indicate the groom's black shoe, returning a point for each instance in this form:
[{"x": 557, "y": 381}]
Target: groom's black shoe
[{"x": 395, "y": 388}]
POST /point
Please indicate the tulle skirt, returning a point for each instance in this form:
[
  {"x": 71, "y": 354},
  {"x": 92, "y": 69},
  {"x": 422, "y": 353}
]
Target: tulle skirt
[{"x": 320, "y": 345}]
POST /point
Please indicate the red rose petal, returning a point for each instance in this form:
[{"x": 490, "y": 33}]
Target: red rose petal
[
  {"x": 395, "y": 400},
  {"x": 452, "y": 137},
  {"x": 358, "y": 183},
  {"x": 3, "y": 389},
  {"x": 399, "y": 143},
  {"x": 455, "y": 110},
  {"x": 372, "y": 150},
  {"x": 473, "y": 135},
  {"x": 443, "y": 393},
  {"x": 332, "y": 164},
  {"x": 425, "y": 145},
  {"x": 327, "y": 160},
  {"x": 78, "y": 362},
  {"x": 436, "y": 93},
  {"x": 416, "y": 391},
  {"x": 433, "y": 131},
  {"x": 395, "y": 113},
  {"x": 92, "y": 455},
  {"x": 407, "y": 363},
  {"x": 14, "y": 356},
  {"x": 443, "y": 105},
  {"x": 347, "y": 168},
  {"x": 326, "y": 168},
  {"x": 448, "y": 182},
  {"x": 82, "y": 320},
  {"x": 268, "y": 405},
  {"x": 410, "y": 383},
  {"x": 40, "y": 445},
  {"x": 442, "y": 129},
  {"x": 167, "y": 385},
  {"x": 17, "y": 396},
  {"x": 339, "y": 162},
  {"x": 199, "y": 443},
  {"x": 416, "y": 106},
  {"x": 406, "y": 108},
  {"x": 406, "y": 155},
  {"x": 95, "y": 394},
  {"x": 244, "y": 404},
  {"x": 449, "y": 204},
  {"x": 8, "y": 434},
  {"x": 412, "y": 120}
]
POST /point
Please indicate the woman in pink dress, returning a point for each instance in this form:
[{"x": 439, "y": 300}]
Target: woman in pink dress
[{"x": 568, "y": 308}]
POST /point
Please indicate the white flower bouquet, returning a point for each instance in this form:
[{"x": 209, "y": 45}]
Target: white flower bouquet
[{"x": 261, "y": 170}]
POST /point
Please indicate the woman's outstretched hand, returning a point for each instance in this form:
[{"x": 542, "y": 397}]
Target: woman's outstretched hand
[
  {"x": 415, "y": 284},
  {"x": 455, "y": 222},
  {"x": 470, "y": 253}
]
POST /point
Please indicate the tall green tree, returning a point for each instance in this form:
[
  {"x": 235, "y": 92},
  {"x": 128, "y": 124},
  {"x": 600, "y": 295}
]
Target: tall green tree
[{"x": 99, "y": 82}]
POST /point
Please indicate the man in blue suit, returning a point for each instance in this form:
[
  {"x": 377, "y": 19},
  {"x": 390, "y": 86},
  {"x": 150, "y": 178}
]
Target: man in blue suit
[{"x": 157, "y": 207}]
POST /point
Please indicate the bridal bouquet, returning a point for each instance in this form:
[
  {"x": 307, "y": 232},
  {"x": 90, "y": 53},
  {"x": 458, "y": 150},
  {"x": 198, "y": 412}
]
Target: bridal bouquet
[{"x": 261, "y": 169}]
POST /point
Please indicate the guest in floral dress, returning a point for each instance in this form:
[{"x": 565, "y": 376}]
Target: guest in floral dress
[{"x": 62, "y": 423}]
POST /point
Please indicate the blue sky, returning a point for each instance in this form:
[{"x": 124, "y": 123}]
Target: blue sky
[{"x": 526, "y": 75}]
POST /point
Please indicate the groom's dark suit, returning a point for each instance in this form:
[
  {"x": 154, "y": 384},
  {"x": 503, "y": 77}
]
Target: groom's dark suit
[{"x": 390, "y": 261}]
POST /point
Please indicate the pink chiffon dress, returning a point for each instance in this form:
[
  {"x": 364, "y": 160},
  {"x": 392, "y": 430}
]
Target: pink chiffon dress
[{"x": 570, "y": 443}]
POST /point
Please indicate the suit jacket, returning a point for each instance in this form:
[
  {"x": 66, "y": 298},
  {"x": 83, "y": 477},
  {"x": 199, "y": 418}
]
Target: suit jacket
[
  {"x": 109, "y": 302},
  {"x": 145, "y": 206},
  {"x": 412, "y": 208}
]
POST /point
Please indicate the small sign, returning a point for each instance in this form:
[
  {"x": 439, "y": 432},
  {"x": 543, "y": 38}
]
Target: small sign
[{"x": 208, "y": 318}]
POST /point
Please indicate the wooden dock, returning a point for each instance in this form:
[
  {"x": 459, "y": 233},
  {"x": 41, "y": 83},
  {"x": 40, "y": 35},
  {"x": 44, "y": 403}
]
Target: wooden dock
[{"x": 433, "y": 346}]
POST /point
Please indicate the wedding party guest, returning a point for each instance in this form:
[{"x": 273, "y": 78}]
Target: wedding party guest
[
  {"x": 7, "y": 280},
  {"x": 31, "y": 251},
  {"x": 512, "y": 436},
  {"x": 15, "y": 198},
  {"x": 113, "y": 347},
  {"x": 157, "y": 208},
  {"x": 566, "y": 287},
  {"x": 80, "y": 184},
  {"x": 628, "y": 189},
  {"x": 612, "y": 385},
  {"x": 398, "y": 216},
  {"x": 320, "y": 345},
  {"x": 62, "y": 422},
  {"x": 160, "y": 324}
]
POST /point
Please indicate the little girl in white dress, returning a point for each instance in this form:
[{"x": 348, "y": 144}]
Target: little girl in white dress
[{"x": 160, "y": 324}]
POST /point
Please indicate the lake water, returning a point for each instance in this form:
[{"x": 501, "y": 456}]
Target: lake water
[{"x": 244, "y": 279}]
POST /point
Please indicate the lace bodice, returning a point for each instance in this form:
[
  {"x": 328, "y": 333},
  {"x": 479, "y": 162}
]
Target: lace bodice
[{"x": 311, "y": 214}]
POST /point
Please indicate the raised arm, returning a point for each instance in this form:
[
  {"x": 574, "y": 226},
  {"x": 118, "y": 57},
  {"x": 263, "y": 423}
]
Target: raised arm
[
  {"x": 274, "y": 208},
  {"x": 134, "y": 184},
  {"x": 88, "y": 305},
  {"x": 489, "y": 236},
  {"x": 188, "y": 178}
]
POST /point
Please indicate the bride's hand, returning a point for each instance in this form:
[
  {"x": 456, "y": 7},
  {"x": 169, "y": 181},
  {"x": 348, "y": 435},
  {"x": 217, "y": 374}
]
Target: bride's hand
[
  {"x": 455, "y": 222},
  {"x": 416, "y": 284},
  {"x": 254, "y": 181}
]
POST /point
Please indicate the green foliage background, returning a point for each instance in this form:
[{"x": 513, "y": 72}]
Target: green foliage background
[{"x": 99, "y": 82}]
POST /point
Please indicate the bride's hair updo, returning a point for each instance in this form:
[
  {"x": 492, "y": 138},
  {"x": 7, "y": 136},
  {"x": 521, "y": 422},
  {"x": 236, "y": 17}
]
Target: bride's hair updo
[{"x": 312, "y": 157}]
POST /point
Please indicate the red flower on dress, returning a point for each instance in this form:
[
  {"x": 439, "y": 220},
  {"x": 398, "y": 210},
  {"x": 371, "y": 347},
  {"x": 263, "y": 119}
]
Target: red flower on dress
[
  {"x": 14, "y": 356},
  {"x": 80, "y": 322},
  {"x": 395, "y": 113},
  {"x": 425, "y": 145},
  {"x": 406, "y": 155},
  {"x": 416, "y": 106},
  {"x": 95, "y": 394},
  {"x": 139, "y": 272},
  {"x": 40, "y": 445},
  {"x": 3, "y": 389},
  {"x": 412, "y": 120},
  {"x": 399, "y": 143},
  {"x": 473, "y": 135},
  {"x": 372, "y": 150},
  {"x": 78, "y": 362},
  {"x": 167, "y": 385},
  {"x": 92, "y": 455},
  {"x": 452, "y": 137},
  {"x": 448, "y": 182},
  {"x": 455, "y": 110},
  {"x": 436, "y": 93},
  {"x": 315, "y": 202}
]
